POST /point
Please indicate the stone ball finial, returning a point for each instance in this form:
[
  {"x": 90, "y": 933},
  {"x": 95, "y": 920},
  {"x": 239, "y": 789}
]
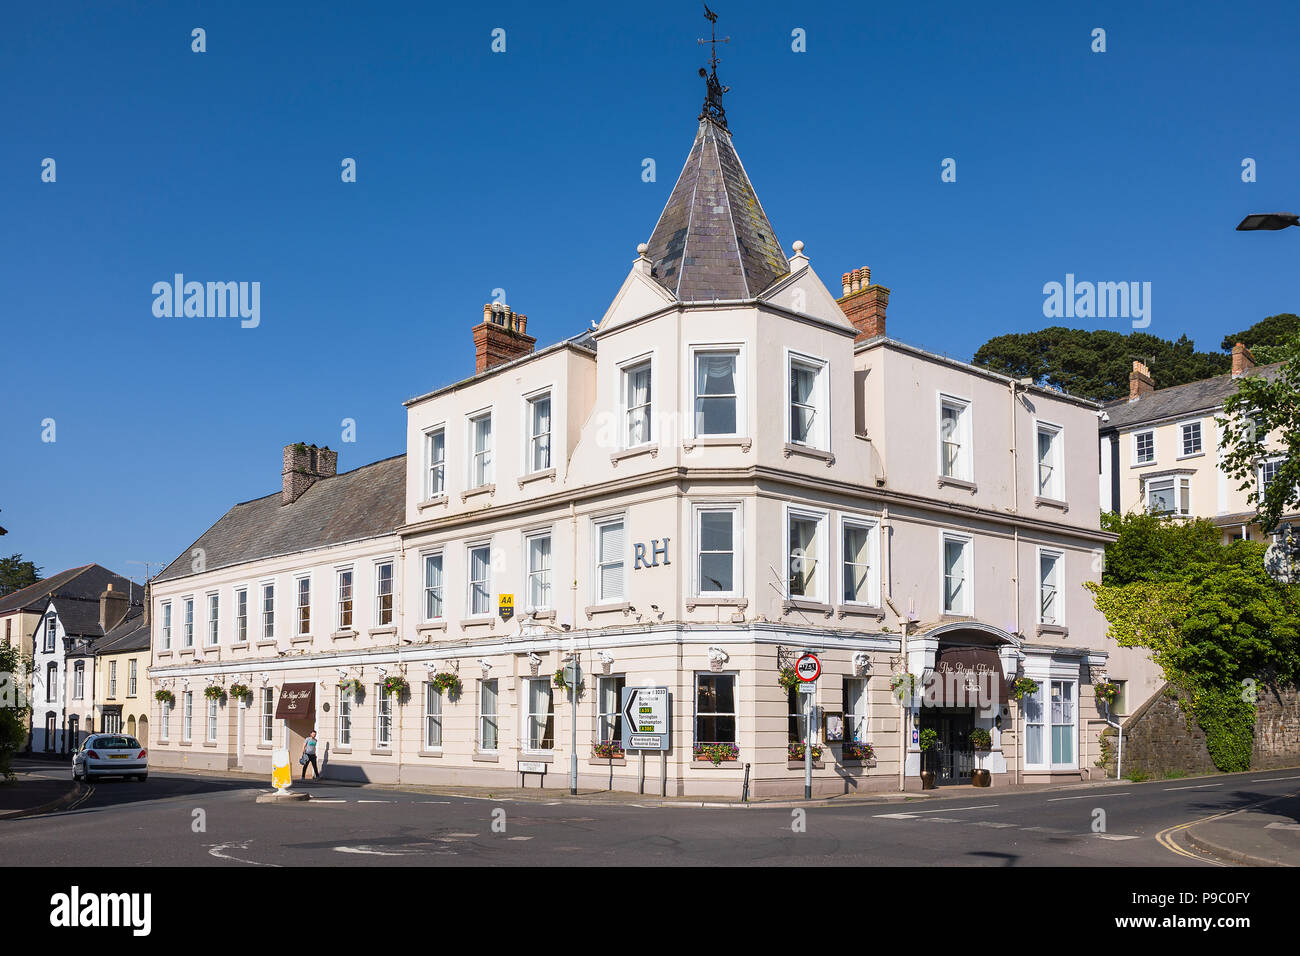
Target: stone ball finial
[
  {"x": 642, "y": 248},
  {"x": 798, "y": 247}
]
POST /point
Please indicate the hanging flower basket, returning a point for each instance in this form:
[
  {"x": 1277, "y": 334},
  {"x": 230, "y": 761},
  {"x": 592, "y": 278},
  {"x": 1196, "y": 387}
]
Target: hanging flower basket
[
  {"x": 796, "y": 752},
  {"x": 716, "y": 753},
  {"x": 1107, "y": 692},
  {"x": 788, "y": 678},
  {"x": 240, "y": 692},
  {"x": 558, "y": 681},
  {"x": 1023, "y": 687},
  {"x": 396, "y": 685},
  {"x": 854, "y": 750},
  {"x": 213, "y": 692},
  {"x": 981, "y": 739},
  {"x": 351, "y": 684},
  {"x": 903, "y": 686},
  {"x": 607, "y": 748},
  {"x": 447, "y": 683},
  {"x": 165, "y": 696}
]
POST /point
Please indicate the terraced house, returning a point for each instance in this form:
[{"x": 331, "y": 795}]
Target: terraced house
[
  {"x": 1161, "y": 451},
  {"x": 735, "y": 465}
]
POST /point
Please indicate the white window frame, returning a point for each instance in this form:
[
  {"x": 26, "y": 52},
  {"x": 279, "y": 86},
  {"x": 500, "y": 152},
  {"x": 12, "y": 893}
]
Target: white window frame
[
  {"x": 165, "y": 719},
  {"x": 820, "y": 559},
  {"x": 1058, "y": 585},
  {"x": 298, "y": 606},
  {"x": 625, "y": 371},
  {"x": 241, "y": 620},
  {"x": 378, "y": 608},
  {"x": 1054, "y": 488},
  {"x": 345, "y": 717},
  {"x": 187, "y": 716},
  {"x": 597, "y": 584},
  {"x": 1180, "y": 483},
  {"x": 819, "y": 437},
  {"x": 872, "y": 527},
  {"x": 383, "y": 719},
  {"x": 132, "y": 677},
  {"x": 531, "y": 437},
  {"x": 214, "y": 618},
  {"x": 735, "y": 509},
  {"x": 614, "y": 717},
  {"x": 1050, "y": 723},
  {"x": 852, "y": 718},
  {"x": 526, "y": 713},
  {"x": 1137, "y": 459},
  {"x": 79, "y": 681},
  {"x": 736, "y": 349},
  {"x": 531, "y": 573},
  {"x": 51, "y": 632},
  {"x": 1260, "y": 484},
  {"x": 435, "y": 469},
  {"x": 166, "y": 608},
  {"x": 480, "y": 716},
  {"x": 112, "y": 679},
  {"x": 487, "y": 454},
  {"x": 965, "y": 409},
  {"x": 1182, "y": 438},
  {"x": 266, "y": 720},
  {"x": 695, "y": 704},
  {"x": 968, "y": 568},
  {"x": 187, "y": 621},
  {"x": 432, "y": 716},
  {"x": 266, "y": 616},
  {"x": 426, "y": 588},
  {"x": 470, "y": 581},
  {"x": 350, "y": 601},
  {"x": 212, "y": 721}
]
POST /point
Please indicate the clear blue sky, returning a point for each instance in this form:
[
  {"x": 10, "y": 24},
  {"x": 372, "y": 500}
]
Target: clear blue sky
[{"x": 522, "y": 170}]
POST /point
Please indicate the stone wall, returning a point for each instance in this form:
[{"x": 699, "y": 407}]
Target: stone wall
[
  {"x": 1161, "y": 737},
  {"x": 1277, "y": 728}
]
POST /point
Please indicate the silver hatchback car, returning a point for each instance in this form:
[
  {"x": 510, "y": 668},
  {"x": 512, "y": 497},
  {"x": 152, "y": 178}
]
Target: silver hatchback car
[{"x": 110, "y": 755}]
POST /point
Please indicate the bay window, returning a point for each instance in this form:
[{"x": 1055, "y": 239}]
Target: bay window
[{"x": 1169, "y": 496}]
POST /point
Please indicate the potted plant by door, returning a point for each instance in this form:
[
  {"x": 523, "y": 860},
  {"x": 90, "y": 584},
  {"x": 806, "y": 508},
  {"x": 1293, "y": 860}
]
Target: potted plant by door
[
  {"x": 981, "y": 742},
  {"x": 929, "y": 737}
]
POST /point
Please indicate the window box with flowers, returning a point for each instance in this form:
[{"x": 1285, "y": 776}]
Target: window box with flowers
[
  {"x": 794, "y": 754},
  {"x": 608, "y": 750},
  {"x": 854, "y": 750},
  {"x": 715, "y": 753}
]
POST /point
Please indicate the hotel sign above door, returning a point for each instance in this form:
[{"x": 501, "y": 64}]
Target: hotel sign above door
[{"x": 296, "y": 700}]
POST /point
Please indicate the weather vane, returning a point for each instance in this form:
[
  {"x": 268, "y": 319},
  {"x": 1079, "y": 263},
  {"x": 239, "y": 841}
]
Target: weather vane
[{"x": 713, "y": 98}]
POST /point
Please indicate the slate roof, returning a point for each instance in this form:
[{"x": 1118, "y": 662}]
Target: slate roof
[
  {"x": 366, "y": 502},
  {"x": 713, "y": 240},
  {"x": 131, "y": 635},
  {"x": 1179, "y": 400},
  {"x": 87, "y": 582}
]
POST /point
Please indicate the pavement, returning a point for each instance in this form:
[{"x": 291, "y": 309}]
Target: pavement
[
  {"x": 1264, "y": 834},
  {"x": 38, "y": 787},
  {"x": 193, "y": 819}
]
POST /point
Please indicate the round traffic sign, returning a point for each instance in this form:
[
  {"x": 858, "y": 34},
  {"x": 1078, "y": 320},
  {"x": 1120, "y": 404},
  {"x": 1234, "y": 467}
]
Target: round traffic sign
[{"x": 808, "y": 668}]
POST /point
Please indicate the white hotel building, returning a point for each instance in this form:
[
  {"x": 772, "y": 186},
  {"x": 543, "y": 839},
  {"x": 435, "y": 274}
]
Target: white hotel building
[{"x": 734, "y": 466}]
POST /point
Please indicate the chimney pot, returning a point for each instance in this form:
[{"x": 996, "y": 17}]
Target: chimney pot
[
  {"x": 864, "y": 304},
  {"x": 846, "y": 281},
  {"x": 502, "y": 337}
]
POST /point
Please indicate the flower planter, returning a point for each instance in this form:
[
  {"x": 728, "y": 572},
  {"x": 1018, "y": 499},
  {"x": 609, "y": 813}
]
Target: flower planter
[
  {"x": 927, "y": 779},
  {"x": 980, "y": 778}
]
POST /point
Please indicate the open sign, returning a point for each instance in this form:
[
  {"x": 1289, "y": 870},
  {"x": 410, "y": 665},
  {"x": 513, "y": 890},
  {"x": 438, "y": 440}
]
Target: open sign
[{"x": 808, "y": 668}]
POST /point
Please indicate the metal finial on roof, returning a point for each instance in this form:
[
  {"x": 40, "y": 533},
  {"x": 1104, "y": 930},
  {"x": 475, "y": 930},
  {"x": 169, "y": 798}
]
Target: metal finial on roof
[{"x": 713, "y": 96}]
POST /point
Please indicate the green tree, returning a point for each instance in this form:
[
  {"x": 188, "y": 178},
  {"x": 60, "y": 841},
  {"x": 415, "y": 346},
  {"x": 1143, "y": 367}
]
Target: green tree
[
  {"x": 14, "y": 669},
  {"x": 1213, "y": 619},
  {"x": 1261, "y": 408},
  {"x": 16, "y": 574},
  {"x": 1095, "y": 363},
  {"x": 1265, "y": 335}
]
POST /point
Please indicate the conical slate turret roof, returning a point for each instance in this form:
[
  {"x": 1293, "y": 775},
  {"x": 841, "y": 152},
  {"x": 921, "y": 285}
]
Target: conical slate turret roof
[{"x": 713, "y": 240}]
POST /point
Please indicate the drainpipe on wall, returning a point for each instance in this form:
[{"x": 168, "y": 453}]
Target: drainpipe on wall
[{"x": 1015, "y": 576}]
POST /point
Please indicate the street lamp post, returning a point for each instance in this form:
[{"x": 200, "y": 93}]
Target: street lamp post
[{"x": 1268, "y": 221}]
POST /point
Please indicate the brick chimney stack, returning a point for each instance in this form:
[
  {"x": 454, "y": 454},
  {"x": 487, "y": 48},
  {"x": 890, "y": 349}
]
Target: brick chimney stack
[
  {"x": 1242, "y": 360},
  {"x": 1140, "y": 381},
  {"x": 112, "y": 609},
  {"x": 863, "y": 303},
  {"x": 304, "y": 465},
  {"x": 500, "y": 337}
]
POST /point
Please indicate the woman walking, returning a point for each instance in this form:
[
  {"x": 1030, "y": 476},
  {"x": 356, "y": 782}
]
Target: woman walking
[{"x": 309, "y": 757}]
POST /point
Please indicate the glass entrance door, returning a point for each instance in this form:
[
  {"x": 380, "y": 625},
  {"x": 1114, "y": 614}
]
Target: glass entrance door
[{"x": 952, "y": 759}]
